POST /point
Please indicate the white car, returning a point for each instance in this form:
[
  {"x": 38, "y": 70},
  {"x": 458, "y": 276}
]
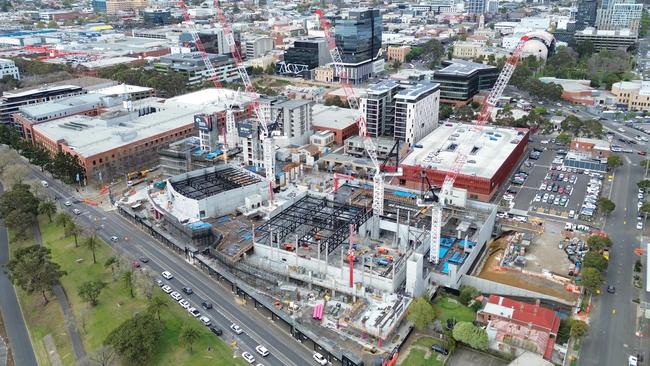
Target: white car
[
  {"x": 195, "y": 313},
  {"x": 621, "y": 129},
  {"x": 262, "y": 350},
  {"x": 235, "y": 328},
  {"x": 76, "y": 211},
  {"x": 640, "y": 196},
  {"x": 320, "y": 359},
  {"x": 632, "y": 361},
  {"x": 166, "y": 275},
  {"x": 205, "y": 320},
  {"x": 167, "y": 289},
  {"x": 114, "y": 238},
  {"x": 176, "y": 296},
  {"x": 68, "y": 203},
  {"x": 248, "y": 357},
  {"x": 537, "y": 198},
  {"x": 639, "y": 225},
  {"x": 184, "y": 303}
]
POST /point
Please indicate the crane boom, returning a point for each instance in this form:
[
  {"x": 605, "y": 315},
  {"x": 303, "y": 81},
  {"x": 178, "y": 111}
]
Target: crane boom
[{"x": 466, "y": 144}]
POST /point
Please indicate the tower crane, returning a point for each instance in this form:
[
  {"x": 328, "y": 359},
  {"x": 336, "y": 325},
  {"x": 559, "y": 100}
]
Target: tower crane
[
  {"x": 263, "y": 120},
  {"x": 465, "y": 145},
  {"x": 369, "y": 145}
]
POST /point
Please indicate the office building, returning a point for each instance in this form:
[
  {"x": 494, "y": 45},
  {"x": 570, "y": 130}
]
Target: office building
[
  {"x": 193, "y": 67},
  {"x": 468, "y": 49},
  {"x": 340, "y": 121},
  {"x": 257, "y": 47},
  {"x": 157, "y": 17},
  {"x": 475, "y": 7},
  {"x": 125, "y": 7},
  {"x": 99, "y": 6},
  {"x": 416, "y": 112},
  {"x": 461, "y": 80},
  {"x": 397, "y": 53},
  {"x": 358, "y": 37},
  {"x": 378, "y": 107},
  {"x": 9, "y": 68},
  {"x": 213, "y": 39},
  {"x": 307, "y": 53},
  {"x": 606, "y": 39},
  {"x": 586, "y": 15},
  {"x": 494, "y": 154},
  {"x": 291, "y": 119},
  {"x": 492, "y": 6},
  {"x": 619, "y": 14},
  {"x": 635, "y": 94}
]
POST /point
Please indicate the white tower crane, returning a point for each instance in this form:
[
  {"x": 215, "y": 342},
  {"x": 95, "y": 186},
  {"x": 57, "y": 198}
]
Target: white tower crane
[
  {"x": 369, "y": 145},
  {"x": 465, "y": 145}
]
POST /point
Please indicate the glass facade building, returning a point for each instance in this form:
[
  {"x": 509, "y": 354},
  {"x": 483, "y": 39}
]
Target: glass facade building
[
  {"x": 358, "y": 37},
  {"x": 303, "y": 53},
  {"x": 99, "y": 6},
  {"x": 460, "y": 80},
  {"x": 586, "y": 15}
]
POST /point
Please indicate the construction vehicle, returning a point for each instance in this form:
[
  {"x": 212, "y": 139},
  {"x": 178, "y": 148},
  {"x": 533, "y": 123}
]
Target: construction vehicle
[{"x": 137, "y": 174}]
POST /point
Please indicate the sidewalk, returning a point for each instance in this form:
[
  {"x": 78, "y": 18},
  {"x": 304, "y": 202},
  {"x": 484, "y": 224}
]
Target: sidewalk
[{"x": 75, "y": 338}]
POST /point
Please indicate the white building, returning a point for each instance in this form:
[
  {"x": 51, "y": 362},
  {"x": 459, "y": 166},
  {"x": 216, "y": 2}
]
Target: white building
[
  {"x": 291, "y": 120},
  {"x": 416, "y": 112},
  {"x": 257, "y": 47},
  {"x": 378, "y": 107},
  {"x": 8, "y": 67}
]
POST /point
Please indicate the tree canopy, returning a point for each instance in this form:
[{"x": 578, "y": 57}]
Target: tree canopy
[
  {"x": 421, "y": 313},
  {"x": 595, "y": 260},
  {"x": 471, "y": 335},
  {"x": 89, "y": 291},
  {"x": 32, "y": 270},
  {"x": 592, "y": 279},
  {"x": 136, "y": 339},
  {"x": 614, "y": 161},
  {"x": 19, "y": 209},
  {"x": 606, "y": 206},
  {"x": 598, "y": 243}
]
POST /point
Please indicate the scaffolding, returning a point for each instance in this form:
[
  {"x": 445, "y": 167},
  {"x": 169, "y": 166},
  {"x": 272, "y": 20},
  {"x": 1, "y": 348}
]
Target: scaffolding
[
  {"x": 213, "y": 183},
  {"x": 313, "y": 222}
]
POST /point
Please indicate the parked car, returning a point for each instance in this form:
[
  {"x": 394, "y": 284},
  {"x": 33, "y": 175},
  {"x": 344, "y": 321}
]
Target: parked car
[
  {"x": 167, "y": 275},
  {"x": 262, "y": 350},
  {"x": 248, "y": 357},
  {"x": 216, "y": 331},
  {"x": 167, "y": 289},
  {"x": 320, "y": 359},
  {"x": 195, "y": 313},
  {"x": 205, "y": 320},
  {"x": 176, "y": 296},
  {"x": 206, "y": 305},
  {"x": 185, "y": 304}
]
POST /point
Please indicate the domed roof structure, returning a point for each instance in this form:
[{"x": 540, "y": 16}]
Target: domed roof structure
[{"x": 540, "y": 44}]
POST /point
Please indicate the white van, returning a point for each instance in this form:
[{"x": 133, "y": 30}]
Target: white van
[{"x": 44, "y": 184}]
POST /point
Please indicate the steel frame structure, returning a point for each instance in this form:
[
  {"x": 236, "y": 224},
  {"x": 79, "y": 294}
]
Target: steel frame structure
[{"x": 311, "y": 216}]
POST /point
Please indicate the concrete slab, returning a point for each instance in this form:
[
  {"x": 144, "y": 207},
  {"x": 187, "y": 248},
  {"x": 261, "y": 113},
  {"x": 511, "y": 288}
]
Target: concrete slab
[{"x": 466, "y": 356}]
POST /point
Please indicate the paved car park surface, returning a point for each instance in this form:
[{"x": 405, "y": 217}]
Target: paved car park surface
[{"x": 464, "y": 356}]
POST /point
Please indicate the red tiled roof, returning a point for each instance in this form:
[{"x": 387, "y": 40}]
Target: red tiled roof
[{"x": 528, "y": 313}]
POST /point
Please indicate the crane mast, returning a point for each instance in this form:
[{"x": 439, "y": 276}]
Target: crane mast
[
  {"x": 466, "y": 144},
  {"x": 368, "y": 144},
  {"x": 267, "y": 140}
]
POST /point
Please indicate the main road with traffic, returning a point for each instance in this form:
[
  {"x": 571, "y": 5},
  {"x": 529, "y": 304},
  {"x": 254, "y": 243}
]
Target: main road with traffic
[{"x": 258, "y": 330}]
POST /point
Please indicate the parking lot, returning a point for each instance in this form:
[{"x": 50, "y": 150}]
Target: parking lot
[{"x": 550, "y": 189}]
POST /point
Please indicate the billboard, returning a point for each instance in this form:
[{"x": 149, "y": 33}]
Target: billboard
[{"x": 203, "y": 122}]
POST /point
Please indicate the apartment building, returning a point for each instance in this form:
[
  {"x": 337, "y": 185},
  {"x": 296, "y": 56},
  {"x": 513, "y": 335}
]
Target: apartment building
[
  {"x": 378, "y": 106},
  {"x": 257, "y": 47},
  {"x": 416, "y": 112},
  {"x": 634, "y": 94},
  {"x": 8, "y": 67}
]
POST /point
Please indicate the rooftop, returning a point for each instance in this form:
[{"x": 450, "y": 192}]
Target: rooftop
[
  {"x": 49, "y": 108},
  {"x": 333, "y": 117},
  {"x": 598, "y": 144},
  {"x": 205, "y": 183},
  {"x": 210, "y": 97},
  {"x": 490, "y": 149},
  {"x": 382, "y": 87},
  {"x": 416, "y": 91},
  {"x": 122, "y": 89},
  {"x": 524, "y": 312},
  {"x": 93, "y": 135},
  {"x": 462, "y": 67}
]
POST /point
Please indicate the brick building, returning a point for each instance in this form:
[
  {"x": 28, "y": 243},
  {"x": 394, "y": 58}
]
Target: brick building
[
  {"x": 398, "y": 53},
  {"x": 519, "y": 325},
  {"x": 593, "y": 147},
  {"x": 340, "y": 121}
]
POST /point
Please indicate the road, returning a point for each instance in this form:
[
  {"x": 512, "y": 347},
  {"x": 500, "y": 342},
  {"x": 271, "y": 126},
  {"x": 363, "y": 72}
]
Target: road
[
  {"x": 257, "y": 329},
  {"x": 19, "y": 342}
]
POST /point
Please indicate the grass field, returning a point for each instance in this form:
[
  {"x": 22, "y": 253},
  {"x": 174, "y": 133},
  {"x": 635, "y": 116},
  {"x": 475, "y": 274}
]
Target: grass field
[
  {"x": 115, "y": 305},
  {"x": 418, "y": 357},
  {"x": 448, "y": 308},
  {"x": 43, "y": 320}
]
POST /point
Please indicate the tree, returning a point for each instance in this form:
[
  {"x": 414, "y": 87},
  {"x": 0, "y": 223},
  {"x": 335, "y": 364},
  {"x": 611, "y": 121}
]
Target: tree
[
  {"x": 89, "y": 291},
  {"x": 645, "y": 208},
  {"x": 103, "y": 355},
  {"x": 396, "y": 64},
  {"x": 644, "y": 184},
  {"x": 421, "y": 313},
  {"x": 32, "y": 270},
  {"x": 594, "y": 260},
  {"x": 465, "y": 113},
  {"x": 40, "y": 25},
  {"x": 156, "y": 305},
  {"x": 579, "y": 328},
  {"x": 597, "y": 243},
  {"x": 111, "y": 262},
  {"x": 92, "y": 243},
  {"x": 14, "y": 174},
  {"x": 21, "y": 223},
  {"x": 189, "y": 335},
  {"x": 128, "y": 281},
  {"x": 47, "y": 208},
  {"x": 63, "y": 219},
  {"x": 643, "y": 163},
  {"x": 605, "y": 205},
  {"x": 75, "y": 230},
  {"x": 471, "y": 335},
  {"x": 18, "y": 198},
  {"x": 445, "y": 111},
  {"x": 614, "y": 161},
  {"x": 136, "y": 339},
  {"x": 467, "y": 294},
  {"x": 591, "y": 279},
  {"x": 564, "y": 332},
  {"x": 563, "y": 138},
  {"x": 52, "y": 24}
]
